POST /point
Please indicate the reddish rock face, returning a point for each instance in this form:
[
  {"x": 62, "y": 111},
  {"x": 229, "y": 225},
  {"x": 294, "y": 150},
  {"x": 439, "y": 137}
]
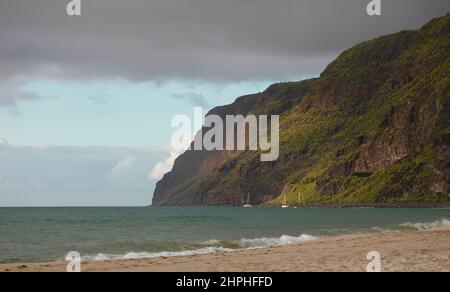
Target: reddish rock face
[{"x": 378, "y": 116}]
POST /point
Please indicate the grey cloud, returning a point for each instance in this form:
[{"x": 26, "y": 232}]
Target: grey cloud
[
  {"x": 11, "y": 94},
  {"x": 194, "y": 99},
  {"x": 10, "y": 97},
  {"x": 193, "y": 39}
]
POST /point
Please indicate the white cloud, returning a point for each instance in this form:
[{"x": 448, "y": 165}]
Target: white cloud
[
  {"x": 122, "y": 165},
  {"x": 3, "y": 141},
  {"x": 163, "y": 167}
]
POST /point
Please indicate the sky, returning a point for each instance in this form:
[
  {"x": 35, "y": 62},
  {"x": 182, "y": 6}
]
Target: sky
[{"x": 86, "y": 101}]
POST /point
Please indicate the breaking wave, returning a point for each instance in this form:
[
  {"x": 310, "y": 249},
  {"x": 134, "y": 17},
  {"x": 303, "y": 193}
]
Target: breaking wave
[
  {"x": 266, "y": 242},
  {"x": 427, "y": 225},
  {"x": 208, "y": 247}
]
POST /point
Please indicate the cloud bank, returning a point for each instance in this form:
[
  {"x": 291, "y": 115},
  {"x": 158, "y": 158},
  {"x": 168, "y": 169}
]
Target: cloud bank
[
  {"x": 76, "y": 176},
  {"x": 191, "y": 39}
]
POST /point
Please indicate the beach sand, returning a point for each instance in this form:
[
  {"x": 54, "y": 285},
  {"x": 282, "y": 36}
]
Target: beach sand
[{"x": 400, "y": 251}]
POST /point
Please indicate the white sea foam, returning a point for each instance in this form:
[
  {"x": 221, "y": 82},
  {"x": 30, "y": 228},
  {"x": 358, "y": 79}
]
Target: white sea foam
[
  {"x": 242, "y": 244},
  {"x": 266, "y": 242},
  {"x": 143, "y": 255},
  {"x": 427, "y": 225}
]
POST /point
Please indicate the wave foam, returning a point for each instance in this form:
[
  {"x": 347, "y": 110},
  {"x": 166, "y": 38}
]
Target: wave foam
[
  {"x": 144, "y": 255},
  {"x": 216, "y": 247},
  {"x": 266, "y": 242},
  {"x": 427, "y": 225}
]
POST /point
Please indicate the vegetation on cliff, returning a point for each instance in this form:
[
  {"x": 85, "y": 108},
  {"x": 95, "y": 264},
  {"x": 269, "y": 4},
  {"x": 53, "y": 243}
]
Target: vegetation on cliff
[{"x": 373, "y": 128}]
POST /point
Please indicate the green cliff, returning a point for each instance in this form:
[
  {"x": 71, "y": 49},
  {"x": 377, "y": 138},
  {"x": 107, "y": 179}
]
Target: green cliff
[{"x": 374, "y": 128}]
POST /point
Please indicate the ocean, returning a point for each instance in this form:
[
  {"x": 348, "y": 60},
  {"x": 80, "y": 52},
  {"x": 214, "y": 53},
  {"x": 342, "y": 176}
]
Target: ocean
[{"x": 47, "y": 234}]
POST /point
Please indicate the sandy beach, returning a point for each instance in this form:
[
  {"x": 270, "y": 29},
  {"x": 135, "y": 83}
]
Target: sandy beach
[{"x": 400, "y": 251}]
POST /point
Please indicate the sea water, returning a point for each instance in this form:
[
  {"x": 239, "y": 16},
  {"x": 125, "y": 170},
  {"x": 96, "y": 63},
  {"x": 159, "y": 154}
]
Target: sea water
[{"x": 47, "y": 234}]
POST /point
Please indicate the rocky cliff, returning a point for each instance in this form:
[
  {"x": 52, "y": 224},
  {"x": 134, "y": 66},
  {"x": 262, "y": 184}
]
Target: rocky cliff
[{"x": 373, "y": 128}]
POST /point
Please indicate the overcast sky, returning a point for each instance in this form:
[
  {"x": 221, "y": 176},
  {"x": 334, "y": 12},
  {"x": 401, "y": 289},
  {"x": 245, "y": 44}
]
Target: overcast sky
[
  {"x": 207, "y": 39},
  {"x": 116, "y": 75}
]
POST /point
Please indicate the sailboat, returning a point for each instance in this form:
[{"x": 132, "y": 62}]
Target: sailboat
[
  {"x": 284, "y": 202},
  {"x": 298, "y": 201},
  {"x": 248, "y": 202}
]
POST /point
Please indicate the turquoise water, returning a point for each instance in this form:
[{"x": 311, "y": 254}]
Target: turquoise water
[{"x": 43, "y": 234}]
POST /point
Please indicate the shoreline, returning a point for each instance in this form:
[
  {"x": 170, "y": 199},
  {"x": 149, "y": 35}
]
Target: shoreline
[
  {"x": 328, "y": 205},
  {"x": 400, "y": 251}
]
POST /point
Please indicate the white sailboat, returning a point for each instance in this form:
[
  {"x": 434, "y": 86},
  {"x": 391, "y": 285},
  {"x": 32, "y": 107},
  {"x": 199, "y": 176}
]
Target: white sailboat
[
  {"x": 298, "y": 201},
  {"x": 248, "y": 205},
  {"x": 284, "y": 202}
]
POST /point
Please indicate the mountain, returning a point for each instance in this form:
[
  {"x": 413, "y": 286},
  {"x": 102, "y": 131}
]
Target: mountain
[{"x": 373, "y": 129}]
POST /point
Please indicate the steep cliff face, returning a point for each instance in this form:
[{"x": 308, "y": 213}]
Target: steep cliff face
[{"x": 374, "y": 128}]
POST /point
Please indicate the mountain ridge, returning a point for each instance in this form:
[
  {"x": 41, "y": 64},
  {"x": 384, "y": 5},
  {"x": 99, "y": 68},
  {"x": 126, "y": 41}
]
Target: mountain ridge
[{"x": 373, "y": 129}]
